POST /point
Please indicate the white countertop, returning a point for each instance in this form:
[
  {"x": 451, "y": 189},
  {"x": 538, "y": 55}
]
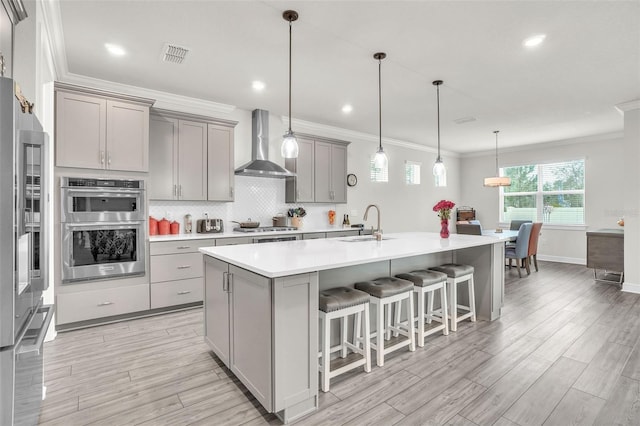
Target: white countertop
[
  {"x": 232, "y": 234},
  {"x": 296, "y": 257}
]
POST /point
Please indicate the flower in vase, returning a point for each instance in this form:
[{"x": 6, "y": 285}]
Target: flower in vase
[{"x": 443, "y": 207}]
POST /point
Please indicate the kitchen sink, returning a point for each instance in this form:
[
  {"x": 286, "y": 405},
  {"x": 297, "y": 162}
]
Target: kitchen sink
[{"x": 362, "y": 238}]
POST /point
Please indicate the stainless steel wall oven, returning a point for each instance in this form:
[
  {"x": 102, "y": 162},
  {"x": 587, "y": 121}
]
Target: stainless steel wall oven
[{"x": 103, "y": 228}]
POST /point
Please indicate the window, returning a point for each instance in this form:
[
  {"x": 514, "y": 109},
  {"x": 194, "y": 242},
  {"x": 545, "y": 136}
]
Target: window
[
  {"x": 378, "y": 175},
  {"x": 551, "y": 193},
  {"x": 412, "y": 173}
]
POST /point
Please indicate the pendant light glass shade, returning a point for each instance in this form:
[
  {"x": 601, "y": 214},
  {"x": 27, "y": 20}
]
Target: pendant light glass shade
[
  {"x": 497, "y": 180},
  {"x": 440, "y": 173},
  {"x": 439, "y": 170},
  {"x": 289, "y": 148},
  {"x": 380, "y": 161}
]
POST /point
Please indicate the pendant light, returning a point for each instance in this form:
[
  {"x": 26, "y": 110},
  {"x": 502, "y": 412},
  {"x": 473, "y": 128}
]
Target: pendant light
[
  {"x": 497, "y": 180},
  {"x": 439, "y": 171},
  {"x": 289, "y": 148},
  {"x": 380, "y": 161}
]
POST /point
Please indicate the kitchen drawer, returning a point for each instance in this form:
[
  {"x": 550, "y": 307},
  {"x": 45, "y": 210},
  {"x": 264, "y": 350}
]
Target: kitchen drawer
[
  {"x": 86, "y": 305},
  {"x": 172, "y": 293},
  {"x": 314, "y": 236},
  {"x": 233, "y": 241},
  {"x": 181, "y": 246},
  {"x": 176, "y": 267},
  {"x": 339, "y": 234}
]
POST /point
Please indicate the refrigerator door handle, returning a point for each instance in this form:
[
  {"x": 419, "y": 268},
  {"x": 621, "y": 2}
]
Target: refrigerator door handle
[{"x": 42, "y": 332}]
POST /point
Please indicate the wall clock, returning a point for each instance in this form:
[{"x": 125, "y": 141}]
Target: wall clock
[{"x": 352, "y": 179}]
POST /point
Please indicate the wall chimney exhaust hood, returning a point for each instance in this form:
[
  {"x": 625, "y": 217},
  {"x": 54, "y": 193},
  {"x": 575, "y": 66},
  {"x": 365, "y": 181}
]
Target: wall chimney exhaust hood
[{"x": 260, "y": 166}]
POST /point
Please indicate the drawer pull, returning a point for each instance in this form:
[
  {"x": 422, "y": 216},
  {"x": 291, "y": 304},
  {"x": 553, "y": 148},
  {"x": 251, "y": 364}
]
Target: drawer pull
[
  {"x": 105, "y": 303},
  {"x": 184, "y": 267},
  {"x": 183, "y": 247},
  {"x": 183, "y": 292}
]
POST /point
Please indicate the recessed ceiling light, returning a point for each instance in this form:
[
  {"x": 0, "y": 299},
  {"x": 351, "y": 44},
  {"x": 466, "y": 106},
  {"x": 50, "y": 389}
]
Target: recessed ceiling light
[
  {"x": 258, "y": 86},
  {"x": 347, "y": 109},
  {"x": 534, "y": 40},
  {"x": 114, "y": 49}
]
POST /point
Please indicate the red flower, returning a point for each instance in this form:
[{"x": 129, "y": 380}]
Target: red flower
[{"x": 443, "y": 207}]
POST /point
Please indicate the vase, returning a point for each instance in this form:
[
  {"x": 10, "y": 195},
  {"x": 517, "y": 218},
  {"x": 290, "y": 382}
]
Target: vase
[
  {"x": 296, "y": 222},
  {"x": 444, "y": 228}
]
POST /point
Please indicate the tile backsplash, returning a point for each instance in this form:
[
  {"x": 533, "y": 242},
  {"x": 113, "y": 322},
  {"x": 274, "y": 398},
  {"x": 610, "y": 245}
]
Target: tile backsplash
[{"x": 257, "y": 198}]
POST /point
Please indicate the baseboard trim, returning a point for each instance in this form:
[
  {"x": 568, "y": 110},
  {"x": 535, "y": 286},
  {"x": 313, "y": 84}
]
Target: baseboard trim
[
  {"x": 631, "y": 288},
  {"x": 562, "y": 259}
]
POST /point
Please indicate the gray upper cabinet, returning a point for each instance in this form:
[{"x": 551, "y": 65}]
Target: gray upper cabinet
[
  {"x": 192, "y": 161},
  {"x": 300, "y": 189},
  {"x": 178, "y": 159},
  {"x": 220, "y": 162},
  {"x": 191, "y": 157},
  {"x": 321, "y": 169},
  {"x": 101, "y": 130}
]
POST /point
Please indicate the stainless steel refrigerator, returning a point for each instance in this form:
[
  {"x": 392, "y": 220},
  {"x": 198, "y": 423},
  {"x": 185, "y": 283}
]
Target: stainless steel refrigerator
[{"x": 23, "y": 260}]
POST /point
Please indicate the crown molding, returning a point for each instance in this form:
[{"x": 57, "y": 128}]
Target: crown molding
[
  {"x": 163, "y": 100},
  {"x": 53, "y": 25},
  {"x": 340, "y": 133},
  {"x": 628, "y": 106},
  {"x": 546, "y": 145}
]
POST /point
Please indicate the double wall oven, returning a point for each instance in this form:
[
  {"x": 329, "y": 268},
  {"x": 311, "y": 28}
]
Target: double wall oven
[{"x": 103, "y": 228}]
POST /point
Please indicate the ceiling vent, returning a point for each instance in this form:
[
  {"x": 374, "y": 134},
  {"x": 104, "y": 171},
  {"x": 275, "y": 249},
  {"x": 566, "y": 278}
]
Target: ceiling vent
[
  {"x": 173, "y": 53},
  {"x": 464, "y": 120}
]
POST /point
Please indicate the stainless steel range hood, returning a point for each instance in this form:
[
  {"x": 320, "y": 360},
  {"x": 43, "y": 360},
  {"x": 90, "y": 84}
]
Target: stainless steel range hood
[{"x": 260, "y": 166}]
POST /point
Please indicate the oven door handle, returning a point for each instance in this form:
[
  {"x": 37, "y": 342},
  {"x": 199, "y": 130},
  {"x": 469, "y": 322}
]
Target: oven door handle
[
  {"x": 100, "y": 225},
  {"x": 97, "y": 191},
  {"x": 42, "y": 332}
]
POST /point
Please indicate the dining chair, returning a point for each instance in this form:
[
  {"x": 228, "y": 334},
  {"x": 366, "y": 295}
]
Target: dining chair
[
  {"x": 533, "y": 243},
  {"x": 521, "y": 250},
  {"x": 515, "y": 224}
]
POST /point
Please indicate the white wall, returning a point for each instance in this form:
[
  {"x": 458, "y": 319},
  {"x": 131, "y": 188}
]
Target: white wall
[{"x": 605, "y": 189}]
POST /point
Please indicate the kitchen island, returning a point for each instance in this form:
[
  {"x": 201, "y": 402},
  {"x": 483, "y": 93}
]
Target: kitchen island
[{"x": 261, "y": 301}]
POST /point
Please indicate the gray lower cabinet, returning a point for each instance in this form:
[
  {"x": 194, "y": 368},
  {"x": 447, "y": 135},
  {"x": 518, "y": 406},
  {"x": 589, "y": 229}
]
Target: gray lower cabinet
[
  {"x": 347, "y": 233},
  {"x": 265, "y": 331},
  {"x": 176, "y": 272},
  {"x": 321, "y": 171},
  {"x": 233, "y": 241},
  {"x": 315, "y": 235}
]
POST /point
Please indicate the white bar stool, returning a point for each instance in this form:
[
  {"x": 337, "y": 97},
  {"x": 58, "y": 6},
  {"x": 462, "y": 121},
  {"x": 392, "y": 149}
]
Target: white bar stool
[
  {"x": 425, "y": 284},
  {"x": 457, "y": 273},
  {"x": 341, "y": 303},
  {"x": 384, "y": 292}
]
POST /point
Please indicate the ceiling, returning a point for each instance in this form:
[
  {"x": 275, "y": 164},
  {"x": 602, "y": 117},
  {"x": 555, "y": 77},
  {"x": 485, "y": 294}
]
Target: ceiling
[{"x": 565, "y": 88}]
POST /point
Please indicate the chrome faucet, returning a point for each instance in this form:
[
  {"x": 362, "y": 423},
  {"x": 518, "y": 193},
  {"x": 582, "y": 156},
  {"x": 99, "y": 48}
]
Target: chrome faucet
[{"x": 378, "y": 232}]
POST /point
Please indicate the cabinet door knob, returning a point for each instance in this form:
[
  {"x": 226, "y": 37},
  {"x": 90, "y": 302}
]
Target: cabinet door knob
[{"x": 225, "y": 282}]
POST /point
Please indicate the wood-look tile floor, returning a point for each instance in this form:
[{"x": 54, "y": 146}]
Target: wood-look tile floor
[{"x": 566, "y": 351}]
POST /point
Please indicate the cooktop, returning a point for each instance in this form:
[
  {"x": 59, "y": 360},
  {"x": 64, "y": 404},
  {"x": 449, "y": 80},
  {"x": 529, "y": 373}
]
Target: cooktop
[{"x": 266, "y": 229}]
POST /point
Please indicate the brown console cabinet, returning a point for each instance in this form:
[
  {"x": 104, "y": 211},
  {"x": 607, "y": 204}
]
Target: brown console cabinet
[{"x": 605, "y": 251}]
